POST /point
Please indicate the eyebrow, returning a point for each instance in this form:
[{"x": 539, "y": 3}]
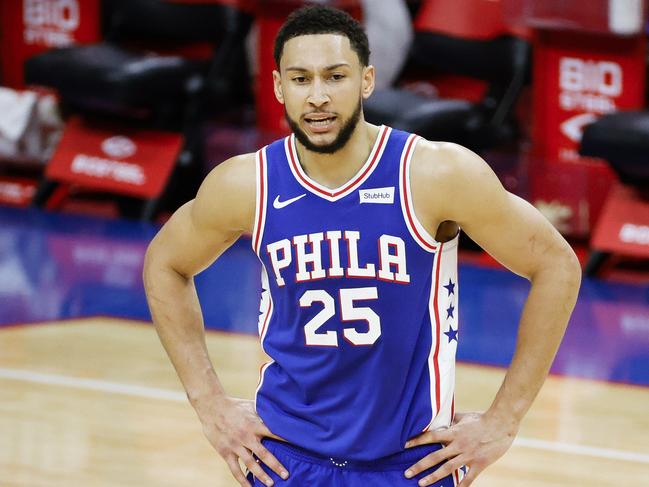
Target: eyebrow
[{"x": 327, "y": 68}]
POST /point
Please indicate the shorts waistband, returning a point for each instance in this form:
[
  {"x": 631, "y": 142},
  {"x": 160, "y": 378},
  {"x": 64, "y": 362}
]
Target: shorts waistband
[{"x": 396, "y": 461}]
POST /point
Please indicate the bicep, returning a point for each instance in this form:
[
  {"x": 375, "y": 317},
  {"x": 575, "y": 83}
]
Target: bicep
[
  {"x": 186, "y": 245},
  {"x": 202, "y": 229},
  {"x": 513, "y": 232},
  {"x": 509, "y": 228}
]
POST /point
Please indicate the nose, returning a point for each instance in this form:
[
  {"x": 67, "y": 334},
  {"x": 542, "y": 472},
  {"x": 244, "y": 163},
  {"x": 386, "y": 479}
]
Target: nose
[{"x": 318, "y": 95}]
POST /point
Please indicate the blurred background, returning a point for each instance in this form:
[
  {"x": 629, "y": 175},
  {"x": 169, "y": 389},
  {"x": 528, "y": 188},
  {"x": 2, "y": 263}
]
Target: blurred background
[
  {"x": 113, "y": 111},
  {"x": 118, "y": 108}
]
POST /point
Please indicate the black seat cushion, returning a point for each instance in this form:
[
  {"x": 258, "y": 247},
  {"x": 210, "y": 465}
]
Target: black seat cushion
[
  {"x": 112, "y": 74},
  {"x": 622, "y": 138},
  {"x": 388, "y": 105},
  {"x": 447, "y": 120}
]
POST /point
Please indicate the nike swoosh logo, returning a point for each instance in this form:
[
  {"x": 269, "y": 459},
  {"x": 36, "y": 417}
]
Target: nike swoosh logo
[{"x": 281, "y": 204}]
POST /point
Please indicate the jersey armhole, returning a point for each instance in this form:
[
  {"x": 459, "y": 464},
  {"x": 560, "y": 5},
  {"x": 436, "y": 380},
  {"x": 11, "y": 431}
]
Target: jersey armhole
[
  {"x": 261, "y": 196},
  {"x": 416, "y": 229}
]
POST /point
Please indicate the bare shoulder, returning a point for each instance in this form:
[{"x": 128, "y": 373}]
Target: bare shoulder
[
  {"x": 447, "y": 162},
  {"x": 447, "y": 178},
  {"x": 226, "y": 198}
]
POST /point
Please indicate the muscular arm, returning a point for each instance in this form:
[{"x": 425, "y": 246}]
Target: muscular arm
[
  {"x": 191, "y": 240},
  {"x": 519, "y": 237}
]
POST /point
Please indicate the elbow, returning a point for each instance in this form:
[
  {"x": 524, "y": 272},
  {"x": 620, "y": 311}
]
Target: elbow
[
  {"x": 561, "y": 267},
  {"x": 572, "y": 264},
  {"x": 158, "y": 268},
  {"x": 149, "y": 266},
  {"x": 570, "y": 269},
  {"x": 152, "y": 265}
]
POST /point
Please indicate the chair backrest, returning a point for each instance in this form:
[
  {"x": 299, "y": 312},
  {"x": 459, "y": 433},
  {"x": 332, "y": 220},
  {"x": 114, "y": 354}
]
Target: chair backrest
[
  {"x": 491, "y": 60},
  {"x": 163, "y": 20},
  {"x": 504, "y": 62}
]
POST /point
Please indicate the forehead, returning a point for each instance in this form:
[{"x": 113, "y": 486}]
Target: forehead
[{"x": 315, "y": 51}]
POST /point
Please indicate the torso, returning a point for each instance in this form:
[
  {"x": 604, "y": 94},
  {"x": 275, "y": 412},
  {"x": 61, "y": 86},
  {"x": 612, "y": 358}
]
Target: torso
[{"x": 356, "y": 303}]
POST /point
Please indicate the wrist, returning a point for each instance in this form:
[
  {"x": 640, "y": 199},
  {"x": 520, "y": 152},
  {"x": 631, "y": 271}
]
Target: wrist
[
  {"x": 505, "y": 418},
  {"x": 206, "y": 397}
]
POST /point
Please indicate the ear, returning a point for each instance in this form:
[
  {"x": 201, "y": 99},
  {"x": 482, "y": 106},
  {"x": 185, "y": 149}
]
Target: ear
[
  {"x": 277, "y": 86},
  {"x": 367, "y": 83}
]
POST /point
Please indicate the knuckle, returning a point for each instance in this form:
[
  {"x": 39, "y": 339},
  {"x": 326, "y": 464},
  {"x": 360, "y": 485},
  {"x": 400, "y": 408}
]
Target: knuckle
[
  {"x": 229, "y": 447},
  {"x": 240, "y": 433},
  {"x": 261, "y": 451},
  {"x": 253, "y": 440},
  {"x": 246, "y": 457},
  {"x": 444, "y": 471},
  {"x": 428, "y": 479},
  {"x": 269, "y": 459},
  {"x": 224, "y": 449},
  {"x": 260, "y": 474},
  {"x": 417, "y": 467}
]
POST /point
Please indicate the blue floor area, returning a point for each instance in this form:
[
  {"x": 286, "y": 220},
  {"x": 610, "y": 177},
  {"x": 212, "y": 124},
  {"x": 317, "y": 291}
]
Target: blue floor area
[{"x": 55, "y": 266}]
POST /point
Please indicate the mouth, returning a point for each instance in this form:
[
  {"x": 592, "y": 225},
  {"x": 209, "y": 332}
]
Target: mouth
[{"x": 320, "y": 122}]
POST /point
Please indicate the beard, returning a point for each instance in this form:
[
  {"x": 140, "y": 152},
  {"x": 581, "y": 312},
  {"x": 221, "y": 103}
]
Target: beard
[{"x": 338, "y": 143}]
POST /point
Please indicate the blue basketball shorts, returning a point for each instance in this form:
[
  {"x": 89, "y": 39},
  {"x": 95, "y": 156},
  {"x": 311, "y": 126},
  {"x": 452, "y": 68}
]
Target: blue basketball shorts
[{"x": 308, "y": 469}]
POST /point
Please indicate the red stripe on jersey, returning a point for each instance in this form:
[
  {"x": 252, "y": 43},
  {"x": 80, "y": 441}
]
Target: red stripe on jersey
[
  {"x": 262, "y": 200},
  {"x": 333, "y": 194},
  {"x": 437, "y": 328},
  {"x": 409, "y": 210}
]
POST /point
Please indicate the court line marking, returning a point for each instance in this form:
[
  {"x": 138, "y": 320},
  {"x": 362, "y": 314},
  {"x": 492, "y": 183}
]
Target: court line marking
[
  {"x": 583, "y": 450},
  {"x": 92, "y": 385},
  {"x": 168, "y": 395}
]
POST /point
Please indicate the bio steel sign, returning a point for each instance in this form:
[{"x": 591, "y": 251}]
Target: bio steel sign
[
  {"x": 30, "y": 27},
  {"x": 50, "y": 23},
  {"x": 579, "y": 80},
  {"x": 587, "y": 89}
]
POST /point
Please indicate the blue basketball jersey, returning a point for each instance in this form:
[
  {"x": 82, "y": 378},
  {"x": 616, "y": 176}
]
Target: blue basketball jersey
[{"x": 358, "y": 308}]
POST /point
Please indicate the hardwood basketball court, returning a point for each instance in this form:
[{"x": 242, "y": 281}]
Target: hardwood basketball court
[{"x": 95, "y": 402}]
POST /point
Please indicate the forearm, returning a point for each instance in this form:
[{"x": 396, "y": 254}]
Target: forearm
[
  {"x": 178, "y": 320},
  {"x": 542, "y": 325}
]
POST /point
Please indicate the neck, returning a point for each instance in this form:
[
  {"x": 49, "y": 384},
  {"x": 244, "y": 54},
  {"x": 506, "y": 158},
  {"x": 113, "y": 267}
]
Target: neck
[{"x": 334, "y": 170}]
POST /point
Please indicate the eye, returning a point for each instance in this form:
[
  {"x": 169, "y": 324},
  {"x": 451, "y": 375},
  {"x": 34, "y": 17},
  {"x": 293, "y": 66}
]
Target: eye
[
  {"x": 299, "y": 79},
  {"x": 337, "y": 76}
]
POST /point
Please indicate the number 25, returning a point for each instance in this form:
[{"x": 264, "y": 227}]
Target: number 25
[{"x": 348, "y": 313}]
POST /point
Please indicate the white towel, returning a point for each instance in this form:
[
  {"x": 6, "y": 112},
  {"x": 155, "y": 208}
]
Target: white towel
[{"x": 28, "y": 122}]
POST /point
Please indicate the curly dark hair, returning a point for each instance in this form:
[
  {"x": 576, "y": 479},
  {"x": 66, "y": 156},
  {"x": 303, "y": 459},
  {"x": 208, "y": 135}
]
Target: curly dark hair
[{"x": 318, "y": 19}]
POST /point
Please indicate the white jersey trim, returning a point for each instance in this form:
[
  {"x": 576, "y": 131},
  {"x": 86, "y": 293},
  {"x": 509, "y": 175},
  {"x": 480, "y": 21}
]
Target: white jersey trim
[
  {"x": 261, "y": 199},
  {"x": 435, "y": 327},
  {"x": 266, "y": 311},
  {"x": 441, "y": 360},
  {"x": 354, "y": 183},
  {"x": 416, "y": 229}
]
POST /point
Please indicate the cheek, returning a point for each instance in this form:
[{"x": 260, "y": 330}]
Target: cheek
[{"x": 292, "y": 105}]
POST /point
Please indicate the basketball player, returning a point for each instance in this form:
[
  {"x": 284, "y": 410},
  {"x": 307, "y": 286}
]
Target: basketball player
[{"x": 357, "y": 228}]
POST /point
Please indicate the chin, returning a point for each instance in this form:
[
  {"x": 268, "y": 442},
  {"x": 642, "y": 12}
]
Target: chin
[{"x": 323, "y": 139}]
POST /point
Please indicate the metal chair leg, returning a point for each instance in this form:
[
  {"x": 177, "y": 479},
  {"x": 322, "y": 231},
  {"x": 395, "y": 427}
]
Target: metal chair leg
[
  {"x": 44, "y": 190},
  {"x": 595, "y": 262}
]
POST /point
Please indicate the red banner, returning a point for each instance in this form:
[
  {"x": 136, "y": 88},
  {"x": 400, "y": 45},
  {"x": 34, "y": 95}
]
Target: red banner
[
  {"x": 623, "y": 227},
  {"x": 30, "y": 27},
  {"x": 577, "y": 78},
  {"x": 16, "y": 191},
  {"x": 133, "y": 162}
]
